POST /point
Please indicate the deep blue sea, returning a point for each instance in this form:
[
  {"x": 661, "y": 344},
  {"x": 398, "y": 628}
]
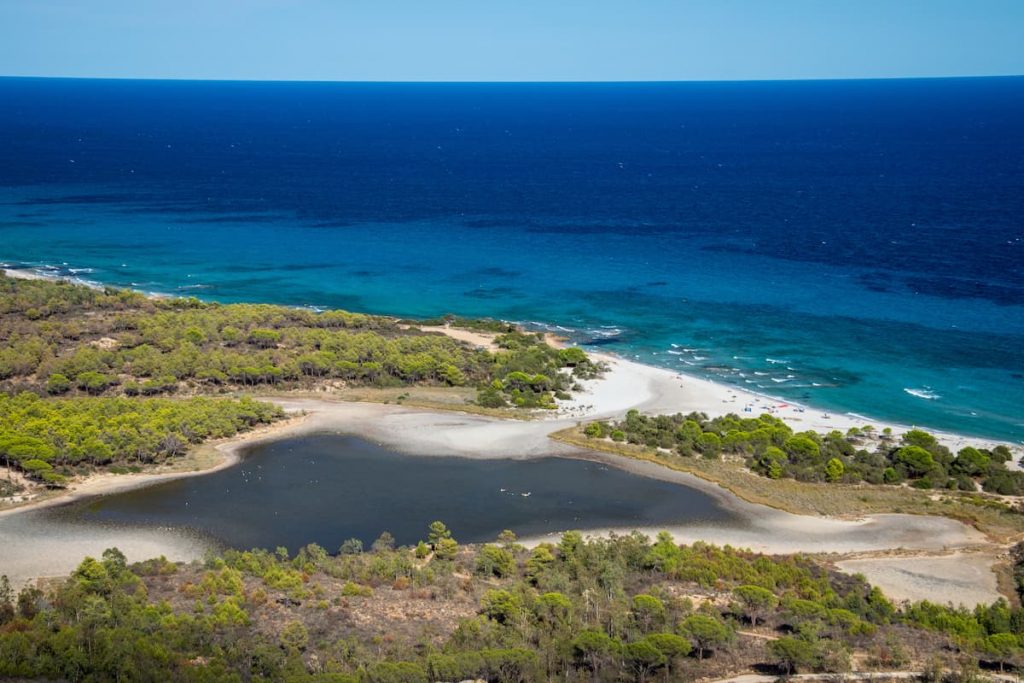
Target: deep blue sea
[{"x": 856, "y": 245}]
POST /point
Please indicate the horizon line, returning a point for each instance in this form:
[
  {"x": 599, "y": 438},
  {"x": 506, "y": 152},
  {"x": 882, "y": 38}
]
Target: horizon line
[{"x": 513, "y": 81}]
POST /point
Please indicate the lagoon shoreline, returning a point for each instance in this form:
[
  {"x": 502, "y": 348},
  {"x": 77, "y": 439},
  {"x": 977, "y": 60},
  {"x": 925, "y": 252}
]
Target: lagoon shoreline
[
  {"x": 624, "y": 386},
  {"x": 424, "y": 432}
]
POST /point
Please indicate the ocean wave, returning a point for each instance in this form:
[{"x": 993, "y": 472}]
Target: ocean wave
[
  {"x": 925, "y": 393},
  {"x": 536, "y": 325},
  {"x": 720, "y": 369},
  {"x": 775, "y": 361},
  {"x": 62, "y": 272}
]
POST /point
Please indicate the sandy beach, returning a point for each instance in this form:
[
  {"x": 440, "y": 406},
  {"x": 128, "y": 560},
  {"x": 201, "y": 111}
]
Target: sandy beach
[
  {"x": 656, "y": 390},
  {"x": 22, "y": 274}
]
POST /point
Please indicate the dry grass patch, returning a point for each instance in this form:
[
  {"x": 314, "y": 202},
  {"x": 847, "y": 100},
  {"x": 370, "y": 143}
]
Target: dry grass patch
[{"x": 457, "y": 399}]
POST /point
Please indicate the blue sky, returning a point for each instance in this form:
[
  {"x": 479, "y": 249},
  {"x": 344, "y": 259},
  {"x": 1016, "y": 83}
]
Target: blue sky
[{"x": 502, "y": 40}]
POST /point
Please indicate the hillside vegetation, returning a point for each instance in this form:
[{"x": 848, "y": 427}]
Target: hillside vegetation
[
  {"x": 771, "y": 448},
  {"x": 61, "y": 338},
  {"x": 619, "y": 609},
  {"x": 49, "y": 439}
]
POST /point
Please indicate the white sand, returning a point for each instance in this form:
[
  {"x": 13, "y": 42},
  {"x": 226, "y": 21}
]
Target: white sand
[
  {"x": 32, "y": 548},
  {"x": 471, "y": 337},
  {"x": 19, "y": 274},
  {"x": 659, "y": 391}
]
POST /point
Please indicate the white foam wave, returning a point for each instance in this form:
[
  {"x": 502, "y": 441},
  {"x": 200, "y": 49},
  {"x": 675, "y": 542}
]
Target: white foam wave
[{"x": 925, "y": 393}]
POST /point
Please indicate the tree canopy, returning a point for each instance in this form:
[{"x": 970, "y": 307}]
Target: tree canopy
[
  {"x": 623, "y": 608},
  {"x": 60, "y": 338}
]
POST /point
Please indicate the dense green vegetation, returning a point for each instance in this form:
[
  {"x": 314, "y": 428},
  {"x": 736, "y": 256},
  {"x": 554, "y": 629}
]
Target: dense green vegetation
[
  {"x": 51, "y": 438},
  {"x": 62, "y": 338},
  {"x": 617, "y": 609},
  {"x": 530, "y": 372},
  {"x": 771, "y": 448}
]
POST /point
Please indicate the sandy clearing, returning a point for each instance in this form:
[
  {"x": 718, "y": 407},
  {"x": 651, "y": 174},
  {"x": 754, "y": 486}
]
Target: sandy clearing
[
  {"x": 36, "y": 548},
  {"x": 473, "y": 338},
  {"x": 959, "y": 578},
  {"x": 25, "y": 274}
]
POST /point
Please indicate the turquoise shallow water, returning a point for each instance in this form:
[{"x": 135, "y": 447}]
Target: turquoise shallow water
[{"x": 854, "y": 246}]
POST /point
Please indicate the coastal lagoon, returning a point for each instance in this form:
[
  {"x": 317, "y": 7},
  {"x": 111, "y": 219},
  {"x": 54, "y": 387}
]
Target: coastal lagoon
[{"x": 325, "y": 488}]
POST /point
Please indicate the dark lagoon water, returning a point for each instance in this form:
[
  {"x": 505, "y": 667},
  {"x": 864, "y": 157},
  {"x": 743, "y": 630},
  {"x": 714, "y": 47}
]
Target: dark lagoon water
[
  {"x": 327, "y": 488},
  {"x": 857, "y": 245}
]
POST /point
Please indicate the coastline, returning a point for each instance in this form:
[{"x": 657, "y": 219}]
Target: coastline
[
  {"x": 626, "y": 385},
  {"x": 601, "y": 398},
  {"x": 696, "y": 394},
  {"x": 669, "y": 392}
]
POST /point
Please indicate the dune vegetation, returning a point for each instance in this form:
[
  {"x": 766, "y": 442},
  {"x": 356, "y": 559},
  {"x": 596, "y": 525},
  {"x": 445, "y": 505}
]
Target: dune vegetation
[
  {"x": 771, "y": 448},
  {"x": 60, "y": 339},
  {"x": 616, "y": 609}
]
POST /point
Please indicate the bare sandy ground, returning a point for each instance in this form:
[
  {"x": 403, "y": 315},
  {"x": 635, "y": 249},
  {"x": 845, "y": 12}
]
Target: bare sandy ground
[
  {"x": 484, "y": 339},
  {"x": 960, "y": 578},
  {"x": 104, "y": 484},
  {"x": 32, "y": 547},
  {"x": 25, "y": 274}
]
